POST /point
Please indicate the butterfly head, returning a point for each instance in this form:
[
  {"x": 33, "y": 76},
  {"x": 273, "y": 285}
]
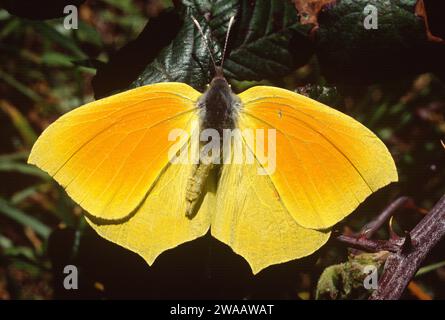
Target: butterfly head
[
  {"x": 219, "y": 81},
  {"x": 219, "y": 73},
  {"x": 219, "y": 90}
]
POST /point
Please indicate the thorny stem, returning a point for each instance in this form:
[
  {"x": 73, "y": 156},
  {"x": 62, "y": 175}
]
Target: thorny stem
[
  {"x": 402, "y": 265},
  {"x": 365, "y": 244},
  {"x": 362, "y": 240},
  {"x": 407, "y": 253},
  {"x": 402, "y": 202}
]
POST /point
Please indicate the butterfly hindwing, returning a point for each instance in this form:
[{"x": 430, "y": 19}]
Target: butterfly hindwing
[
  {"x": 160, "y": 223},
  {"x": 254, "y": 222}
]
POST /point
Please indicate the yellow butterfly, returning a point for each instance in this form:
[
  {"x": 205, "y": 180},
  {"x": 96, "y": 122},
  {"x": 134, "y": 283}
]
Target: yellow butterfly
[{"x": 112, "y": 158}]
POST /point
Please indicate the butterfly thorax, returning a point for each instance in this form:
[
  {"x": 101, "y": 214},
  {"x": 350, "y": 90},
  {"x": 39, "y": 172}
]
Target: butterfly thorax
[
  {"x": 217, "y": 111},
  {"x": 217, "y": 106}
]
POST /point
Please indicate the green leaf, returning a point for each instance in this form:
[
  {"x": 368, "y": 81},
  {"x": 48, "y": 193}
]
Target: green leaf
[
  {"x": 430, "y": 268},
  {"x": 10, "y": 26},
  {"x": 345, "y": 280},
  {"x": 14, "y": 156},
  {"x": 350, "y": 53},
  {"x": 125, "y": 6},
  {"x": 132, "y": 59},
  {"x": 22, "y": 88},
  {"x": 5, "y": 243},
  {"x": 87, "y": 33},
  {"x": 186, "y": 58},
  {"x": 23, "y": 168},
  {"x": 10, "y": 250},
  {"x": 57, "y": 59},
  {"x": 20, "y": 123},
  {"x": 21, "y": 195},
  {"x": 39, "y": 10},
  {"x": 89, "y": 63},
  {"x": 24, "y": 219},
  {"x": 265, "y": 43},
  {"x": 51, "y": 34}
]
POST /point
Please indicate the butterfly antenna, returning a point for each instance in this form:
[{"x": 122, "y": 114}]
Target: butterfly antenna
[
  {"x": 205, "y": 41},
  {"x": 231, "y": 21}
]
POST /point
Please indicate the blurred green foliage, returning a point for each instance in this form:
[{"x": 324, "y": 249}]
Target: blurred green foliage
[{"x": 47, "y": 70}]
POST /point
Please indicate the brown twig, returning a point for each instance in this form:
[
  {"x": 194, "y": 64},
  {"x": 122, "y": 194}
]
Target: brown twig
[
  {"x": 407, "y": 253},
  {"x": 362, "y": 241},
  {"x": 402, "y": 202},
  {"x": 402, "y": 265},
  {"x": 365, "y": 244}
]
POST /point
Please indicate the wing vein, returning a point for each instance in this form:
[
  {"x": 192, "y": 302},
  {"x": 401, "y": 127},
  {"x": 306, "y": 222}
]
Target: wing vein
[
  {"x": 323, "y": 136},
  {"x": 108, "y": 127}
]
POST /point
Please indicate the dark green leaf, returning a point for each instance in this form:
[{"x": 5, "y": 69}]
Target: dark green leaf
[
  {"x": 20, "y": 122},
  {"x": 130, "y": 61},
  {"x": 185, "y": 59},
  {"x": 349, "y": 53},
  {"x": 88, "y": 63},
  {"x": 42, "y": 9},
  {"x": 264, "y": 43},
  {"x": 23, "y": 168},
  {"x": 50, "y": 33},
  {"x": 14, "y": 156},
  {"x": 429, "y": 268},
  {"x": 21, "y": 195},
  {"x": 267, "y": 43},
  {"x": 22, "y": 88},
  {"x": 56, "y": 59},
  {"x": 24, "y": 219}
]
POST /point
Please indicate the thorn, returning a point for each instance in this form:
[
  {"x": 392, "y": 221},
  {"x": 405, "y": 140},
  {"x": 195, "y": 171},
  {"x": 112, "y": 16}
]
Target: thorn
[
  {"x": 392, "y": 234},
  {"x": 407, "y": 245}
]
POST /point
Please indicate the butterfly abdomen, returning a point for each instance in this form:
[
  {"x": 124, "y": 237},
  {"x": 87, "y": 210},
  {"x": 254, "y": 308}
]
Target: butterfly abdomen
[{"x": 196, "y": 186}]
